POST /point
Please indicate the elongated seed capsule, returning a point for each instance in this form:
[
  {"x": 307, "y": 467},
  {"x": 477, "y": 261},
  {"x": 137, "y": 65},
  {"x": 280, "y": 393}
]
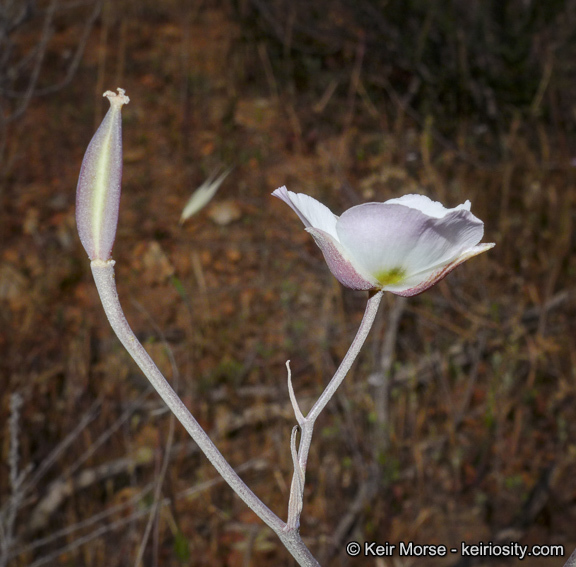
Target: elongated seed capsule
[{"x": 99, "y": 184}]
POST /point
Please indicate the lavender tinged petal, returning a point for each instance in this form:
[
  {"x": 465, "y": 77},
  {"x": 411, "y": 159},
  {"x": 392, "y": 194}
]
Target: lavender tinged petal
[
  {"x": 386, "y": 239},
  {"x": 98, "y": 191},
  {"x": 403, "y": 245},
  {"x": 339, "y": 262}
]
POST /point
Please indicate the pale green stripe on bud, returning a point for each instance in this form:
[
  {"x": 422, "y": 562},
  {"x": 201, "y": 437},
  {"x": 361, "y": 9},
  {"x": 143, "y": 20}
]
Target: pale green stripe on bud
[{"x": 99, "y": 184}]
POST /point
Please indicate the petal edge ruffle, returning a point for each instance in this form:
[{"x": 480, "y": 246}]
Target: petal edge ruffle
[{"x": 311, "y": 212}]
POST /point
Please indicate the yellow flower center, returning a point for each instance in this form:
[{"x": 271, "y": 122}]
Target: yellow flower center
[{"x": 393, "y": 276}]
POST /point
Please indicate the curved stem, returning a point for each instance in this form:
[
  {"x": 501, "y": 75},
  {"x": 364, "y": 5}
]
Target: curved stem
[
  {"x": 307, "y": 425},
  {"x": 350, "y": 357},
  {"x": 103, "y": 273}
]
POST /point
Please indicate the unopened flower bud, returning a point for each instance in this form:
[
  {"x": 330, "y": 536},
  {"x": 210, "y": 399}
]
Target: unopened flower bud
[{"x": 98, "y": 191}]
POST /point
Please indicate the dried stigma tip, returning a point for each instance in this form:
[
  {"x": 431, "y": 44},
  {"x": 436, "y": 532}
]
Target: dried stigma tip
[
  {"x": 99, "y": 184},
  {"x": 117, "y": 99}
]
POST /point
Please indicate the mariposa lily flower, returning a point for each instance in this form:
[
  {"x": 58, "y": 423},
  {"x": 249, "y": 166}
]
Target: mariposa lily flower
[{"x": 403, "y": 245}]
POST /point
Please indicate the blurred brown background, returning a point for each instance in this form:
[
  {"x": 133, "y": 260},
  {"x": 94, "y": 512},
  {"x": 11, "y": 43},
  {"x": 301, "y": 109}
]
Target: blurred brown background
[{"x": 458, "y": 422}]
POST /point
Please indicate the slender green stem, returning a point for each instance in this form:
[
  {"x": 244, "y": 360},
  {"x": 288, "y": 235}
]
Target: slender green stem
[{"x": 103, "y": 273}]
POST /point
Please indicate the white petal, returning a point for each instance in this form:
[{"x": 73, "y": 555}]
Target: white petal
[
  {"x": 311, "y": 212},
  {"x": 393, "y": 242},
  {"x": 421, "y": 282},
  {"x": 341, "y": 265},
  {"x": 426, "y": 205}
]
